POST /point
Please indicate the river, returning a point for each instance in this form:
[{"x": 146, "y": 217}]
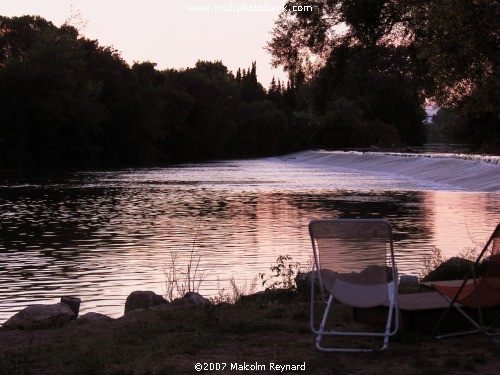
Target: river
[{"x": 101, "y": 235}]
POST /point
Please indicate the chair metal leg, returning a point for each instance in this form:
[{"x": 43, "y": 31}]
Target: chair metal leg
[
  {"x": 323, "y": 323},
  {"x": 480, "y": 328},
  {"x": 386, "y": 334}
]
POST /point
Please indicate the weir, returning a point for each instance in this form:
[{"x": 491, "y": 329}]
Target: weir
[{"x": 447, "y": 171}]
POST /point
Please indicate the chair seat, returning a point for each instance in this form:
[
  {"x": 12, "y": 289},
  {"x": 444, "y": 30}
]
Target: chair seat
[
  {"x": 481, "y": 294},
  {"x": 361, "y": 295}
]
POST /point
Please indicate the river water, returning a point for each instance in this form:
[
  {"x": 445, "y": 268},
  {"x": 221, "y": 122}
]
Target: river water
[{"x": 101, "y": 235}]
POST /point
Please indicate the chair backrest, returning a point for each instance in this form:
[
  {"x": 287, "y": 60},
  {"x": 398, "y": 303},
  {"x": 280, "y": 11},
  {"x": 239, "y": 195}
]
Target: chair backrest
[{"x": 351, "y": 256}]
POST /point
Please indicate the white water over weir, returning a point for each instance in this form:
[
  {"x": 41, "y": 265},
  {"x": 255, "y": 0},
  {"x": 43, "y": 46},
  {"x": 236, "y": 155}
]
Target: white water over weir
[{"x": 446, "y": 171}]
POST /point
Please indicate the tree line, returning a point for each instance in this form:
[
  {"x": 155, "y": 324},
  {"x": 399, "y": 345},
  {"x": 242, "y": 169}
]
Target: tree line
[{"x": 66, "y": 101}]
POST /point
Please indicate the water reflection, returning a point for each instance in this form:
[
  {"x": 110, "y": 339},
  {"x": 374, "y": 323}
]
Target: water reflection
[{"x": 102, "y": 235}]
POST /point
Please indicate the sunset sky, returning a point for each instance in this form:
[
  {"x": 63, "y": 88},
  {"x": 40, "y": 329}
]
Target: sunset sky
[{"x": 173, "y": 34}]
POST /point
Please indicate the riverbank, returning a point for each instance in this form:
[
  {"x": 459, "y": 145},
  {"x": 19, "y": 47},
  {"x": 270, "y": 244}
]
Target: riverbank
[{"x": 172, "y": 340}]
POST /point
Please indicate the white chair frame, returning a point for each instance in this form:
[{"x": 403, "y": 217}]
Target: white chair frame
[{"x": 393, "y": 311}]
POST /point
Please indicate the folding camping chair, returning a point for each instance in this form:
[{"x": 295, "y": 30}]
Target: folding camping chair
[
  {"x": 476, "y": 292},
  {"x": 350, "y": 263}
]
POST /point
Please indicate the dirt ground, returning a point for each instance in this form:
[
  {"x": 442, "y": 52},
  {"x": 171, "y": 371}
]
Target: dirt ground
[{"x": 230, "y": 339}]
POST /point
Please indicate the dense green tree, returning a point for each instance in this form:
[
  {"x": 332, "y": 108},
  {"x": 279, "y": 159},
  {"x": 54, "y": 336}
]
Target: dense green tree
[
  {"x": 216, "y": 93},
  {"x": 261, "y": 129},
  {"x": 49, "y": 110},
  {"x": 391, "y": 108},
  {"x": 357, "y": 71},
  {"x": 182, "y": 140},
  {"x": 458, "y": 41},
  {"x": 450, "y": 50},
  {"x": 202, "y": 103},
  {"x": 66, "y": 101},
  {"x": 251, "y": 89},
  {"x": 274, "y": 93}
]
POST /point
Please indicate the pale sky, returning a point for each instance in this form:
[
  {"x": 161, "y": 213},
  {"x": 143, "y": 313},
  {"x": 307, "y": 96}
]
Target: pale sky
[{"x": 169, "y": 33}]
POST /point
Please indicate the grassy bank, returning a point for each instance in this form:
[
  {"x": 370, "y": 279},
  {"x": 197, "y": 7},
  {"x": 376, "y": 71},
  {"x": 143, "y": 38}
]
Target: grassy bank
[{"x": 171, "y": 340}]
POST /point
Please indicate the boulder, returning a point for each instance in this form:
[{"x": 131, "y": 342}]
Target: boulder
[
  {"x": 453, "y": 269},
  {"x": 253, "y": 298},
  {"x": 40, "y": 316},
  {"x": 143, "y": 300},
  {"x": 191, "y": 298},
  {"x": 303, "y": 282},
  {"x": 197, "y": 298},
  {"x": 73, "y": 303},
  {"x": 409, "y": 284},
  {"x": 92, "y": 317}
]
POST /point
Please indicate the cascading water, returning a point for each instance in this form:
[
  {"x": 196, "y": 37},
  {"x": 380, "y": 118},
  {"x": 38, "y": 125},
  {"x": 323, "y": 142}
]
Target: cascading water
[{"x": 444, "y": 171}]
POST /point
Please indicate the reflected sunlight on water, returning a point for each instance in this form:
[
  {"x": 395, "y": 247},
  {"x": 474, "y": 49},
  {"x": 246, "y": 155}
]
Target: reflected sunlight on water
[{"x": 101, "y": 235}]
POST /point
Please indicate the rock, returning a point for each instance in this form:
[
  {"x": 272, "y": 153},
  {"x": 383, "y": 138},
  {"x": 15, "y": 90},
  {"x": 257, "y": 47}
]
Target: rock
[
  {"x": 40, "y": 316},
  {"x": 453, "y": 269},
  {"x": 408, "y": 280},
  {"x": 303, "y": 282},
  {"x": 191, "y": 298},
  {"x": 143, "y": 300},
  {"x": 73, "y": 303},
  {"x": 197, "y": 298},
  {"x": 92, "y": 317},
  {"x": 253, "y": 298},
  {"x": 409, "y": 284},
  {"x": 268, "y": 295}
]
